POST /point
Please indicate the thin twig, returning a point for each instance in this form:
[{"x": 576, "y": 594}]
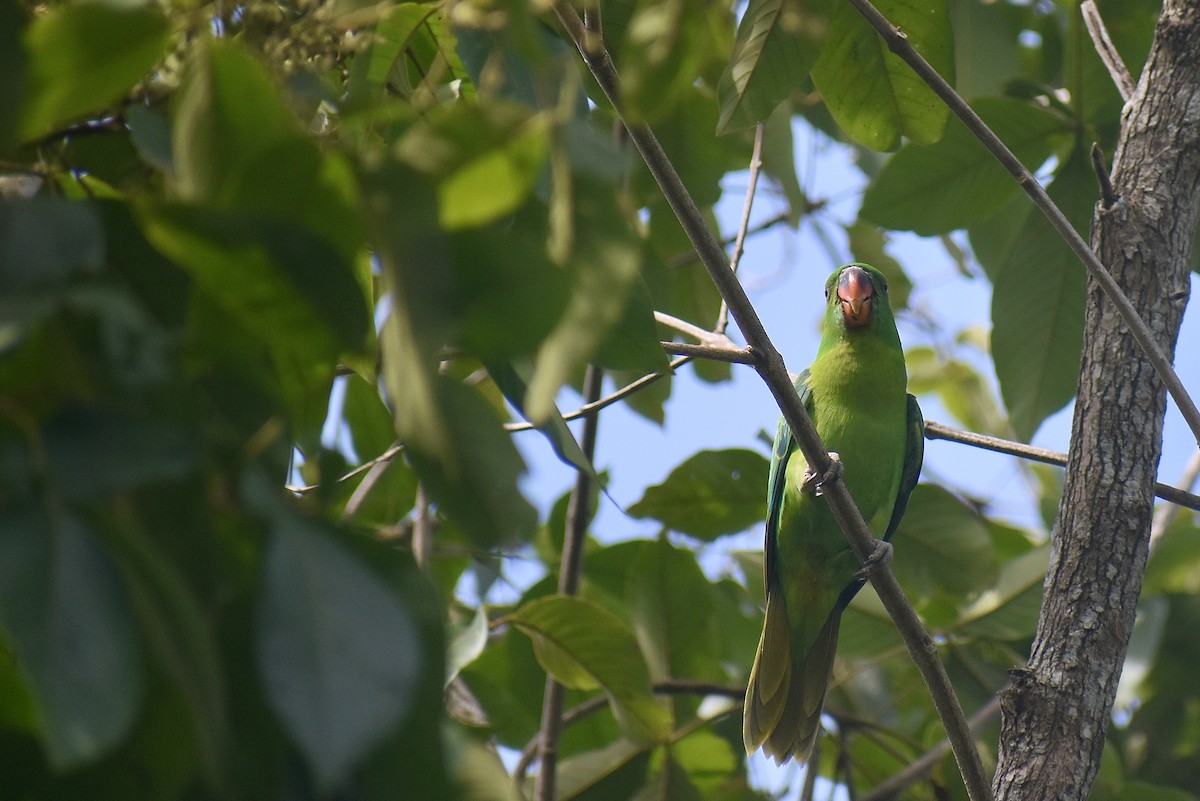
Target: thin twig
[
  {"x": 739, "y": 244},
  {"x": 920, "y": 767},
  {"x": 1167, "y": 513},
  {"x": 1107, "y": 50},
  {"x": 1175, "y": 495},
  {"x": 692, "y": 330},
  {"x": 422, "y": 536},
  {"x": 1108, "y": 195},
  {"x": 578, "y": 516},
  {"x": 898, "y": 43},
  {"x": 715, "y": 353},
  {"x": 689, "y": 256},
  {"x": 774, "y": 373}
]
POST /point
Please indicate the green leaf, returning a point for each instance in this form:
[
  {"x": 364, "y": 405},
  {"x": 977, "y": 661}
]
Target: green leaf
[
  {"x": 939, "y": 188},
  {"x": 291, "y": 289},
  {"x": 606, "y": 261},
  {"x": 367, "y": 418},
  {"x": 1150, "y": 792},
  {"x": 66, "y": 617},
  {"x": 1174, "y": 564},
  {"x": 777, "y": 42},
  {"x": 452, "y": 436},
  {"x": 585, "y": 647},
  {"x": 670, "y": 783},
  {"x": 226, "y": 113},
  {"x": 671, "y": 604},
  {"x": 1009, "y": 609},
  {"x": 1038, "y": 296},
  {"x": 666, "y": 44},
  {"x": 710, "y": 494},
  {"x": 943, "y": 550},
  {"x": 338, "y": 651},
  {"x": 83, "y": 57},
  {"x": 45, "y": 241},
  {"x": 484, "y": 157},
  {"x": 467, "y": 644},
  {"x": 875, "y": 96},
  {"x": 13, "y": 66},
  {"x": 779, "y": 161},
  {"x": 615, "y": 771},
  {"x": 962, "y": 390}
]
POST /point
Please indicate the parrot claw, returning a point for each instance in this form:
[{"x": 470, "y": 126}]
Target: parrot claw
[
  {"x": 815, "y": 484},
  {"x": 881, "y": 556}
]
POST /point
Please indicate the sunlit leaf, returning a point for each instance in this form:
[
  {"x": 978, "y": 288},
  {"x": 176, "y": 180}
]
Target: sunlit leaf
[
  {"x": 710, "y": 494},
  {"x": 777, "y": 42},
  {"x": 942, "y": 547},
  {"x": 585, "y": 647},
  {"x": 1038, "y": 299},
  {"x": 1009, "y": 609},
  {"x": 938, "y": 188},
  {"x": 874, "y": 95},
  {"x": 83, "y": 57}
]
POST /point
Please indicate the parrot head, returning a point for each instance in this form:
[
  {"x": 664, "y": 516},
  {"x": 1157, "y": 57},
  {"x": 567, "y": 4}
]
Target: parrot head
[{"x": 857, "y": 299}]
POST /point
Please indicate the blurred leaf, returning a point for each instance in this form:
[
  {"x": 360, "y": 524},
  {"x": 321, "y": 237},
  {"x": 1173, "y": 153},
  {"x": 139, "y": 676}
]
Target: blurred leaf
[
  {"x": 1038, "y": 294},
  {"x": 670, "y": 783},
  {"x": 367, "y": 418},
  {"x": 83, "y": 57},
  {"x": 779, "y": 161},
  {"x": 1148, "y": 792},
  {"x": 484, "y": 158},
  {"x": 665, "y": 45},
  {"x": 942, "y": 547},
  {"x": 671, "y": 604},
  {"x": 337, "y": 649},
  {"x": 585, "y": 647},
  {"x": 151, "y": 134},
  {"x": 874, "y": 96},
  {"x": 67, "y": 619},
  {"x": 616, "y": 771},
  {"x": 777, "y": 42},
  {"x": 13, "y": 66},
  {"x": 961, "y": 389},
  {"x": 467, "y": 644},
  {"x": 292, "y": 290},
  {"x": 633, "y": 343},
  {"x": 453, "y": 438},
  {"x": 710, "y": 494},
  {"x": 507, "y": 295},
  {"x": 938, "y": 188},
  {"x": 1009, "y": 609},
  {"x": 1174, "y": 564},
  {"x": 46, "y": 241},
  {"x": 606, "y": 261}
]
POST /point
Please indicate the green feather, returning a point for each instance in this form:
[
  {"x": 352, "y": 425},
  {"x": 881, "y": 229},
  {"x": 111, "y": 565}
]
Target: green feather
[{"x": 854, "y": 392}]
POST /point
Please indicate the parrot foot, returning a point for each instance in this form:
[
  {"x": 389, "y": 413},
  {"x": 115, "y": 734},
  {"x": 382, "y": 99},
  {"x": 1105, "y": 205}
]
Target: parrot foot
[
  {"x": 815, "y": 484},
  {"x": 881, "y": 556}
]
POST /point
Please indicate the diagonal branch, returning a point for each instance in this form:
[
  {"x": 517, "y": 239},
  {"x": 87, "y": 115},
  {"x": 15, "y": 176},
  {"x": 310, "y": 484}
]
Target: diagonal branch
[
  {"x": 774, "y": 373},
  {"x": 898, "y": 43}
]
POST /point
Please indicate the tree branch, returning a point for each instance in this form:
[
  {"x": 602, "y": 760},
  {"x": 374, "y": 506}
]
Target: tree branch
[
  {"x": 774, "y": 373},
  {"x": 898, "y": 43},
  {"x": 1107, "y": 50},
  {"x": 1058, "y": 710},
  {"x": 1175, "y": 495},
  {"x": 579, "y": 514}
]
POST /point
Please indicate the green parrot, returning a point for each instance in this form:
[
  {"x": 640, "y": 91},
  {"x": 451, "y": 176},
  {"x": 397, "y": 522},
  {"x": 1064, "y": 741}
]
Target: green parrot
[{"x": 855, "y": 393}]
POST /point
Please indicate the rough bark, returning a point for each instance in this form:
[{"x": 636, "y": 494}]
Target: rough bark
[{"x": 1057, "y": 711}]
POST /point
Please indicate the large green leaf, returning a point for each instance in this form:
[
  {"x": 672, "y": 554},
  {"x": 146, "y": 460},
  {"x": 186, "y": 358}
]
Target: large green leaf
[
  {"x": 605, "y": 262},
  {"x": 585, "y": 647},
  {"x": 484, "y": 158},
  {"x": 83, "y": 57},
  {"x": 943, "y": 551},
  {"x": 67, "y": 619},
  {"x": 452, "y": 436},
  {"x": 710, "y": 494},
  {"x": 1038, "y": 305},
  {"x": 874, "y": 96},
  {"x": 939, "y": 188},
  {"x": 777, "y": 42},
  {"x": 338, "y": 650},
  {"x": 1009, "y": 609},
  {"x": 666, "y": 44},
  {"x": 671, "y": 604}
]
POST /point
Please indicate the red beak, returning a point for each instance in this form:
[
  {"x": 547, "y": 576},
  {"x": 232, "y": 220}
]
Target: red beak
[{"x": 856, "y": 293}]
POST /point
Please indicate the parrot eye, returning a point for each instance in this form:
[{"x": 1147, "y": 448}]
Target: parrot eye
[{"x": 885, "y": 286}]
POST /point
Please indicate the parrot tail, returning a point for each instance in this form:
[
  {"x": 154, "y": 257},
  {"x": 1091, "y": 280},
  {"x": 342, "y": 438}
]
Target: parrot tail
[{"x": 784, "y": 697}]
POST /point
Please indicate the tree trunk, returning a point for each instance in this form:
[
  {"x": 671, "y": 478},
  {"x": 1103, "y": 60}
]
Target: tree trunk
[{"x": 1057, "y": 711}]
